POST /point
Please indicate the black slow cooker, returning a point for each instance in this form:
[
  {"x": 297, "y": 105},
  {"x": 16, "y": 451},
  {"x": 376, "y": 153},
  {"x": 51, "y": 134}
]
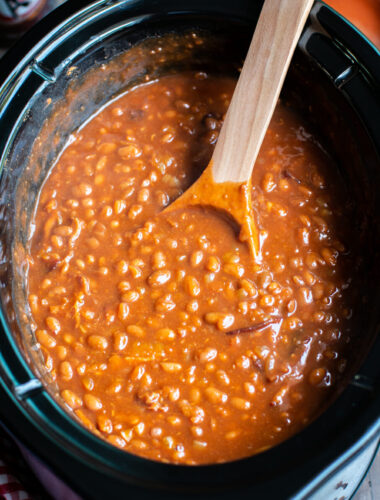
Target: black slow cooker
[{"x": 334, "y": 80}]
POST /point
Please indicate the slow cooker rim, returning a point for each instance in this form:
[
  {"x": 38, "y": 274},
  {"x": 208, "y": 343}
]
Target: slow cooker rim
[{"x": 372, "y": 428}]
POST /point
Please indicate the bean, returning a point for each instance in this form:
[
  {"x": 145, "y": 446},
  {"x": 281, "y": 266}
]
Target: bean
[
  {"x": 207, "y": 354},
  {"x": 106, "y": 211},
  {"x": 104, "y": 424},
  {"x": 90, "y": 259},
  {"x": 173, "y": 393},
  {"x": 284, "y": 185},
  {"x": 123, "y": 311},
  {"x": 317, "y": 375},
  {"x": 199, "y": 445},
  {"x": 68, "y": 338},
  {"x": 120, "y": 341},
  {"x": 122, "y": 267},
  {"x": 82, "y": 190},
  {"x": 45, "y": 339},
  {"x": 291, "y": 306},
  {"x": 168, "y": 442},
  {"x": 106, "y": 147},
  {"x": 33, "y": 302},
  {"x": 195, "y": 395},
  {"x": 119, "y": 206},
  {"x": 292, "y": 323},
  {"x": 319, "y": 316},
  {"x": 72, "y": 399},
  {"x": 240, "y": 403},
  {"x": 130, "y": 151},
  {"x": 318, "y": 291},
  {"x": 61, "y": 352},
  {"x": 196, "y": 431},
  {"x": 267, "y": 300},
  {"x": 72, "y": 203},
  {"x": 223, "y": 377},
  {"x": 114, "y": 388},
  {"x": 130, "y": 296},
  {"x": 156, "y": 431},
  {"x": 305, "y": 295},
  {"x": 232, "y": 435},
  {"x": 136, "y": 331},
  {"x": 215, "y": 395},
  {"x": 195, "y": 413},
  {"x": 243, "y": 362},
  {"x": 124, "y": 286},
  {"x": 139, "y": 428},
  {"x": 248, "y": 287},
  {"x": 330, "y": 256},
  {"x": 87, "y": 202},
  {"x": 66, "y": 371},
  {"x": 135, "y": 271},
  {"x": 249, "y": 388},
  {"x": 309, "y": 278},
  {"x": 134, "y": 211},
  {"x": 85, "y": 420},
  {"x": 97, "y": 342},
  {"x": 103, "y": 270},
  {"x": 49, "y": 225},
  {"x": 53, "y": 324},
  {"x": 174, "y": 420},
  {"x": 138, "y": 372},
  {"x": 143, "y": 195},
  {"x": 278, "y": 398},
  {"x": 196, "y": 258},
  {"x": 117, "y": 441},
  {"x": 127, "y": 435},
  {"x": 182, "y": 105},
  {"x": 162, "y": 198},
  {"x": 92, "y": 402},
  {"x": 192, "y": 306},
  {"x": 213, "y": 264},
  {"x": 268, "y": 183},
  {"x": 158, "y": 278},
  {"x": 304, "y": 236},
  {"x": 231, "y": 258},
  {"x": 171, "y": 367},
  {"x": 210, "y": 367},
  {"x": 88, "y": 383},
  {"x": 57, "y": 241},
  {"x": 159, "y": 260},
  {"x": 166, "y": 334},
  {"x": 243, "y": 307},
  {"x": 99, "y": 179},
  {"x": 93, "y": 243},
  {"x": 223, "y": 321},
  {"x": 192, "y": 286},
  {"x": 49, "y": 364}
]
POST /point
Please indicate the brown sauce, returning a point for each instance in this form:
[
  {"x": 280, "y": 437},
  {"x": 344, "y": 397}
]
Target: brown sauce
[{"x": 162, "y": 333}]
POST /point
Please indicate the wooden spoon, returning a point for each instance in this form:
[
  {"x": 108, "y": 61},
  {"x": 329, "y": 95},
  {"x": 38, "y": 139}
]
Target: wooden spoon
[{"x": 226, "y": 182}]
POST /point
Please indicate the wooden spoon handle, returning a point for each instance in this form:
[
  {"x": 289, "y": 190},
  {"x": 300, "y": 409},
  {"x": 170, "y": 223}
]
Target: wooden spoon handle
[{"x": 255, "y": 97}]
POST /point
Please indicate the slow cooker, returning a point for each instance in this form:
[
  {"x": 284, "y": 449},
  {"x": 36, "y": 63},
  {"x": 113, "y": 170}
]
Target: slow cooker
[{"x": 54, "y": 76}]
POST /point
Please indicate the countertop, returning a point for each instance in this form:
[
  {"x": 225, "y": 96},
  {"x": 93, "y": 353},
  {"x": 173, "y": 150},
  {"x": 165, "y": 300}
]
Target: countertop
[{"x": 370, "y": 488}]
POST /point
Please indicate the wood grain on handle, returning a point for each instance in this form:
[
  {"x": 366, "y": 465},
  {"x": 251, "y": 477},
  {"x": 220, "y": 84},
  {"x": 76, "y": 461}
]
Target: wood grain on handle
[{"x": 255, "y": 97}]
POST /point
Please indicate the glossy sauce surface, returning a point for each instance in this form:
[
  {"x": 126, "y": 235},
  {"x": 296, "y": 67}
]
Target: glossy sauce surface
[{"x": 162, "y": 333}]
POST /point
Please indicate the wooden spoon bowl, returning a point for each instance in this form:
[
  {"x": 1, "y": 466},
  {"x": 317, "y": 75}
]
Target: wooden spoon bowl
[{"x": 225, "y": 184}]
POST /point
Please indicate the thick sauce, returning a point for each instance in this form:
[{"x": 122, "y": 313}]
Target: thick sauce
[{"x": 162, "y": 333}]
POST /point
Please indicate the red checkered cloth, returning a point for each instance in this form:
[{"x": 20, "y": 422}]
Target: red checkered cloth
[
  {"x": 10, "y": 487},
  {"x": 17, "y": 482}
]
